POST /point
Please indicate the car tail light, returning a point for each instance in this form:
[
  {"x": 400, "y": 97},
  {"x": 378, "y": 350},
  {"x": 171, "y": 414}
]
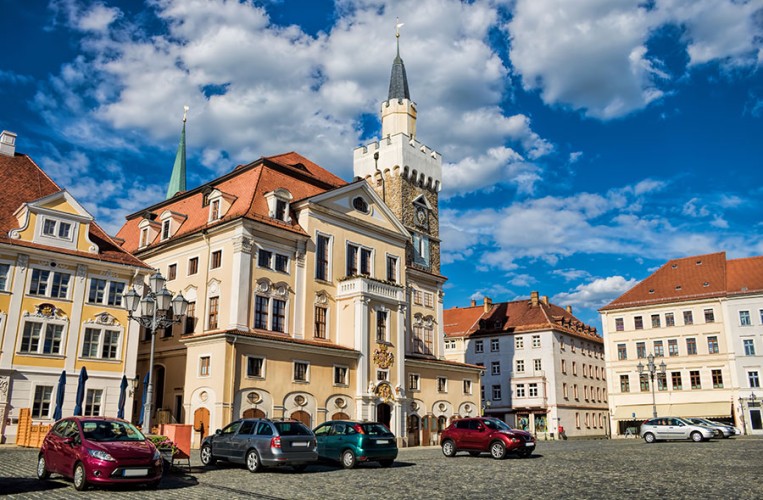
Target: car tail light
[
  {"x": 358, "y": 428},
  {"x": 275, "y": 442}
]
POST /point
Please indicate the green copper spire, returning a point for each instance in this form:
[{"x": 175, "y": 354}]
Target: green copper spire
[{"x": 177, "y": 181}]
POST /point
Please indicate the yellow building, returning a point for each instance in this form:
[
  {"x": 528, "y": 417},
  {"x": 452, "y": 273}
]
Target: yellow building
[
  {"x": 61, "y": 284},
  {"x": 311, "y": 298}
]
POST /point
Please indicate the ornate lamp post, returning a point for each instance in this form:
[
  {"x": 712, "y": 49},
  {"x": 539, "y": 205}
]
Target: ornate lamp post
[
  {"x": 652, "y": 369},
  {"x": 157, "y": 310}
]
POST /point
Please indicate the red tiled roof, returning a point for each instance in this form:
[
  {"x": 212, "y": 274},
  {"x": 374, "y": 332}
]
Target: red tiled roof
[
  {"x": 24, "y": 181},
  {"x": 248, "y": 185},
  {"x": 519, "y": 316},
  {"x": 744, "y": 275}
]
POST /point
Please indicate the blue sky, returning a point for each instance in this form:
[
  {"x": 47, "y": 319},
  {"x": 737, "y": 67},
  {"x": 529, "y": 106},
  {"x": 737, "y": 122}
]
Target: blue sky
[{"x": 585, "y": 142}]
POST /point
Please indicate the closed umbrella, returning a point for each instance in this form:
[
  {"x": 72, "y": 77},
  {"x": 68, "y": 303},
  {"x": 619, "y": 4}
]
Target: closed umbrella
[
  {"x": 143, "y": 399},
  {"x": 122, "y": 397},
  {"x": 80, "y": 391},
  {"x": 60, "y": 396}
]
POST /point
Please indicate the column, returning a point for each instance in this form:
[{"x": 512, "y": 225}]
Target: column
[
  {"x": 300, "y": 329},
  {"x": 241, "y": 283}
]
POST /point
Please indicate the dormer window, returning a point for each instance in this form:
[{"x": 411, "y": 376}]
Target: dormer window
[
  {"x": 214, "y": 210},
  {"x": 166, "y": 226},
  {"x": 171, "y": 222},
  {"x": 219, "y": 204},
  {"x": 143, "y": 237},
  {"x": 278, "y": 204},
  {"x": 57, "y": 229},
  {"x": 280, "y": 209}
]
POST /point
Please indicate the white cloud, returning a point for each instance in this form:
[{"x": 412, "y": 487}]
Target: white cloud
[
  {"x": 571, "y": 274},
  {"x": 595, "y": 294}
]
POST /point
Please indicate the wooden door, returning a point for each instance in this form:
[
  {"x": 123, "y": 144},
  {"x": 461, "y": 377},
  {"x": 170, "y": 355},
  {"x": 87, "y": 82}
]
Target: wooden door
[
  {"x": 413, "y": 430},
  {"x": 340, "y": 416},
  {"x": 201, "y": 422},
  {"x": 303, "y": 417},
  {"x": 254, "y": 413}
]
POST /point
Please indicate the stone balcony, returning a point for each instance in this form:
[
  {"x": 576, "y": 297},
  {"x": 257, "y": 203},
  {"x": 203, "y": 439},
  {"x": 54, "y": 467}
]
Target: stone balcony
[{"x": 364, "y": 286}]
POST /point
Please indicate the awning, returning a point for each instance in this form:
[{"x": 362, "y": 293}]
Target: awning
[{"x": 709, "y": 410}]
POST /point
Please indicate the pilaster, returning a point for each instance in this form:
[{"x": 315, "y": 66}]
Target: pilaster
[{"x": 241, "y": 283}]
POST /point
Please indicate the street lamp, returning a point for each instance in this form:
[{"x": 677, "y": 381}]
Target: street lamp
[
  {"x": 652, "y": 369},
  {"x": 157, "y": 310}
]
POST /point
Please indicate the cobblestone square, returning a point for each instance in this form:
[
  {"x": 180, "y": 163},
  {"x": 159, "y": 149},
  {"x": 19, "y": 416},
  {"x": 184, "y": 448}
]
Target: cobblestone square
[{"x": 626, "y": 468}]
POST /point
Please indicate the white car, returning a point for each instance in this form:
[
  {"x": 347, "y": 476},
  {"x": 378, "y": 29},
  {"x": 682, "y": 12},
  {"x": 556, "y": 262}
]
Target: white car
[
  {"x": 665, "y": 428},
  {"x": 721, "y": 430}
]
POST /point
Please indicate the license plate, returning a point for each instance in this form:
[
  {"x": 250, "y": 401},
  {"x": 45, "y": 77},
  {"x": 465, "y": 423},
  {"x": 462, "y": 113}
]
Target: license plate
[
  {"x": 529, "y": 444},
  {"x": 300, "y": 443},
  {"x": 382, "y": 441},
  {"x": 135, "y": 472}
]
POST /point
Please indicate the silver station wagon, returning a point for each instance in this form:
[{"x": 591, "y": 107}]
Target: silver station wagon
[
  {"x": 664, "y": 428},
  {"x": 259, "y": 443}
]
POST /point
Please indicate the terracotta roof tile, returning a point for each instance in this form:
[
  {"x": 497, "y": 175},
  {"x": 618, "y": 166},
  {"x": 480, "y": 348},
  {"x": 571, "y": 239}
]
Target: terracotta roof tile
[
  {"x": 24, "y": 181},
  {"x": 744, "y": 275}
]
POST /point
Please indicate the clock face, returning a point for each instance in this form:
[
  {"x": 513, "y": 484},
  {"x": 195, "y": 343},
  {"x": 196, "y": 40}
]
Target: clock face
[{"x": 421, "y": 216}]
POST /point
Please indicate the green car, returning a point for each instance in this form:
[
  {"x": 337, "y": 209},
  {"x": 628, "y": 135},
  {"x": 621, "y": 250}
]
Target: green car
[{"x": 350, "y": 442}]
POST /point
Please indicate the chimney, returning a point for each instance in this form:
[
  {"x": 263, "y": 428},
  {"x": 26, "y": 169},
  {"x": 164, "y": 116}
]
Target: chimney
[
  {"x": 534, "y": 299},
  {"x": 569, "y": 309},
  {"x": 474, "y": 303},
  {"x": 487, "y": 303},
  {"x": 544, "y": 299},
  {"x": 8, "y": 143}
]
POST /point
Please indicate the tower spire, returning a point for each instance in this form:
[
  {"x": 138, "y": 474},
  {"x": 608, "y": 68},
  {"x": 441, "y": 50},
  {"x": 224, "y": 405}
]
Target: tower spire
[
  {"x": 177, "y": 180},
  {"x": 398, "y": 82}
]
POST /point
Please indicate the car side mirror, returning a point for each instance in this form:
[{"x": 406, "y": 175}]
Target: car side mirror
[{"x": 218, "y": 432}]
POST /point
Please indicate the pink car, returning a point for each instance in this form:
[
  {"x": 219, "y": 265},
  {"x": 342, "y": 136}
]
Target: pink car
[{"x": 99, "y": 450}]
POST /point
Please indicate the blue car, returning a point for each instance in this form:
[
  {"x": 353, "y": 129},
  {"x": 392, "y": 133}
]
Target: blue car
[{"x": 350, "y": 442}]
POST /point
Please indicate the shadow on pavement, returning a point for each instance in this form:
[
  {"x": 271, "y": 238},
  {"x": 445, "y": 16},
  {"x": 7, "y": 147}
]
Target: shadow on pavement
[{"x": 12, "y": 485}]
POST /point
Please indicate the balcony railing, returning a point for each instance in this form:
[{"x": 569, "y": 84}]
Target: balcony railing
[{"x": 365, "y": 286}]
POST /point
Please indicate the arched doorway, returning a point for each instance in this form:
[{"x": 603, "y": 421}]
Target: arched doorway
[
  {"x": 254, "y": 413},
  {"x": 201, "y": 423},
  {"x": 340, "y": 416},
  {"x": 384, "y": 414},
  {"x": 413, "y": 430},
  {"x": 303, "y": 417}
]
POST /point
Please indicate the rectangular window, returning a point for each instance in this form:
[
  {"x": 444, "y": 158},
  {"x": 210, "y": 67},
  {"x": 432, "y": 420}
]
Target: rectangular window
[
  {"x": 494, "y": 345},
  {"x": 217, "y": 259},
  {"x": 754, "y": 379},
  {"x": 282, "y": 263},
  {"x": 749, "y": 347},
  {"x": 280, "y": 212},
  {"x": 717, "y": 379},
  {"x": 688, "y": 318},
  {"x": 712, "y": 345},
  {"x": 575, "y": 368},
  {"x": 644, "y": 382},
  {"x": 537, "y": 365},
  {"x": 263, "y": 258},
  {"x": 744, "y": 318},
  {"x": 143, "y": 237},
  {"x": 193, "y": 266},
  {"x": 622, "y": 352},
  {"x": 320, "y": 322},
  {"x": 322, "y": 257},
  {"x": 519, "y": 342},
  {"x": 625, "y": 383},
  {"x": 190, "y": 318},
  {"x": 442, "y": 384},
  {"x": 575, "y": 391},
  {"x": 41, "y": 338},
  {"x": 428, "y": 299},
  {"x": 520, "y": 390},
  {"x": 381, "y": 326},
  {"x": 709, "y": 316},
  {"x": 495, "y": 368},
  {"x": 532, "y": 390},
  {"x": 659, "y": 349},
  {"x": 662, "y": 381},
  {"x": 255, "y": 367},
  {"x": 478, "y": 346},
  {"x": 619, "y": 324},
  {"x": 204, "y": 366},
  {"x": 691, "y": 346},
  {"x": 382, "y": 375},
  {"x": 670, "y": 319},
  {"x": 638, "y": 323},
  {"x": 677, "y": 383},
  {"x": 166, "y": 229},
  {"x": 695, "y": 380},
  {"x": 41, "y": 404},
  {"x": 673, "y": 347},
  {"x": 655, "y": 320},
  {"x": 520, "y": 366},
  {"x": 91, "y": 341},
  {"x": 640, "y": 350},
  {"x": 418, "y": 297},
  {"x": 261, "y": 307},
  {"x": 301, "y": 371},
  {"x": 340, "y": 375},
  {"x": 106, "y": 292},
  {"x": 536, "y": 340},
  {"x": 49, "y": 284},
  {"x": 214, "y": 210},
  {"x": 496, "y": 393},
  {"x": 4, "y": 271},
  {"x": 467, "y": 387},
  {"x": 413, "y": 382},
  {"x": 564, "y": 391},
  {"x": 352, "y": 260},
  {"x": 93, "y": 402},
  {"x": 110, "y": 344},
  {"x": 391, "y": 269},
  {"x": 214, "y": 311},
  {"x": 365, "y": 261},
  {"x": 172, "y": 272},
  {"x": 279, "y": 315},
  {"x": 97, "y": 291},
  {"x": 564, "y": 366}
]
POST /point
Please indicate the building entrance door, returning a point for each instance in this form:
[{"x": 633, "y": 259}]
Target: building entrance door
[
  {"x": 303, "y": 417},
  {"x": 413, "y": 430},
  {"x": 384, "y": 414},
  {"x": 201, "y": 422},
  {"x": 253, "y": 413},
  {"x": 755, "y": 420}
]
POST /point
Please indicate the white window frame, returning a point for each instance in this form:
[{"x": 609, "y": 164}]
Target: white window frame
[
  {"x": 211, "y": 258},
  {"x": 532, "y": 387},
  {"x": 88, "y": 403},
  {"x": 537, "y": 365},
  {"x": 262, "y": 369},
  {"x": 387, "y": 257},
  {"x": 519, "y": 365},
  {"x": 198, "y": 367},
  {"x": 110, "y": 281},
  {"x": 51, "y": 403},
  {"x": 43, "y": 331},
  {"x": 445, "y": 385},
  {"x": 73, "y": 229},
  {"x": 384, "y": 372},
  {"x": 495, "y": 368},
  {"x": 329, "y": 257},
  {"x": 49, "y": 283},
  {"x": 102, "y": 329},
  {"x": 418, "y": 382},
  {"x": 748, "y": 321},
  {"x": 359, "y": 259},
  {"x": 467, "y": 386},
  {"x": 346, "y": 382},
  {"x": 387, "y": 317},
  {"x": 495, "y": 345},
  {"x": 166, "y": 224},
  {"x": 493, "y": 389},
  {"x": 536, "y": 345},
  {"x": 479, "y": 347},
  {"x": 519, "y": 391},
  {"x": 519, "y": 342},
  {"x": 294, "y": 370},
  {"x": 8, "y": 275}
]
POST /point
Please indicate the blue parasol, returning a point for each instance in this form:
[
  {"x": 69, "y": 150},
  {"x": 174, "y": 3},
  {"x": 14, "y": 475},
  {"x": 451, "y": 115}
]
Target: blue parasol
[
  {"x": 80, "y": 391},
  {"x": 60, "y": 396},
  {"x": 122, "y": 397},
  {"x": 143, "y": 399}
]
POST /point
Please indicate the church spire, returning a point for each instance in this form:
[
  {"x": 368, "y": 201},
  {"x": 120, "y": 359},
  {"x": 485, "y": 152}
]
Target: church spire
[
  {"x": 398, "y": 82},
  {"x": 177, "y": 180}
]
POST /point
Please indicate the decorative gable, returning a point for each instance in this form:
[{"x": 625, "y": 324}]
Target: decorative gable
[
  {"x": 170, "y": 223},
  {"x": 219, "y": 203},
  {"x": 278, "y": 204}
]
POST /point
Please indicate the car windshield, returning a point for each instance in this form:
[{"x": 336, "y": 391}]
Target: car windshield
[
  {"x": 375, "y": 430},
  {"x": 292, "y": 429},
  {"x": 499, "y": 425},
  {"x": 104, "y": 431}
]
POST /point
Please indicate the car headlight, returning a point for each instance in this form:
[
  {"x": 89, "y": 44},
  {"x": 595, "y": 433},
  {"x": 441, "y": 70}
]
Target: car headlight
[
  {"x": 157, "y": 455},
  {"x": 101, "y": 455}
]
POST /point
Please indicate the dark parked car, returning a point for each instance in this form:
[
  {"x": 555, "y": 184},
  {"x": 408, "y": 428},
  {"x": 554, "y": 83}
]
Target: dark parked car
[
  {"x": 99, "y": 450},
  {"x": 261, "y": 443},
  {"x": 477, "y": 435},
  {"x": 350, "y": 442}
]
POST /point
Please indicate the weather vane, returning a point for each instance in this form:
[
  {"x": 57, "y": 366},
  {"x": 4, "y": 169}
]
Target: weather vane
[
  {"x": 185, "y": 112},
  {"x": 398, "y": 25}
]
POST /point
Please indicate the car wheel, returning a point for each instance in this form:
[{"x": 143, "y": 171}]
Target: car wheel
[
  {"x": 497, "y": 450},
  {"x": 649, "y": 437},
  {"x": 696, "y": 437},
  {"x": 386, "y": 463},
  {"x": 474, "y": 453},
  {"x": 207, "y": 459},
  {"x": 42, "y": 469},
  {"x": 253, "y": 461},
  {"x": 348, "y": 459},
  {"x": 299, "y": 468},
  {"x": 449, "y": 448},
  {"x": 80, "y": 477}
]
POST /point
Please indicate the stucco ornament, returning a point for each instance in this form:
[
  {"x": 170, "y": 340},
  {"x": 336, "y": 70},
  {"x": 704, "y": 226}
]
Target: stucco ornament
[
  {"x": 382, "y": 357},
  {"x": 384, "y": 392}
]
